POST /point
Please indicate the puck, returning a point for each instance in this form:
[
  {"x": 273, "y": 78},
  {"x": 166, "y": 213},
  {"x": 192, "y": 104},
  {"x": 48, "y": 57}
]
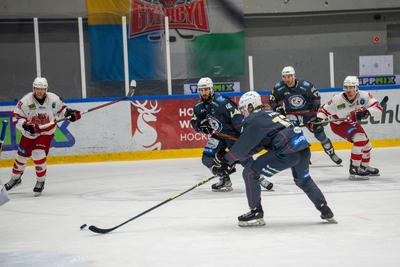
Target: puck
[{"x": 83, "y": 226}]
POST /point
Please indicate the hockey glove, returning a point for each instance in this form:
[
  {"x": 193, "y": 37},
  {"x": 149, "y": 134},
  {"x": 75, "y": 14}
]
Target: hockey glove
[
  {"x": 73, "y": 114},
  {"x": 30, "y": 127},
  {"x": 221, "y": 166},
  {"x": 205, "y": 127},
  {"x": 280, "y": 110},
  {"x": 319, "y": 122},
  {"x": 362, "y": 113}
]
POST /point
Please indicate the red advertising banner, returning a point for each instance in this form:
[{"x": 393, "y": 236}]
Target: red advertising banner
[{"x": 165, "y": 124}]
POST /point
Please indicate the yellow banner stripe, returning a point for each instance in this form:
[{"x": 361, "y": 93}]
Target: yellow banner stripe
[
  {"x": 107, "y": 11},
  {"x": 171, "y": 154}
]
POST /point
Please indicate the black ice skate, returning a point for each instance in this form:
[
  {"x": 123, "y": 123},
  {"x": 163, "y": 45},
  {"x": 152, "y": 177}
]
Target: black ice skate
[
  {"x": 266, "y": 184},
  {"x": 12, "y": 183},
  {"x": 358, "y": 173},
  {"x": 37, "y": 190},
  {"x": 327, "y": 214},
  {"x": 223, "y": 185},
  {"x": 328, "y": 148},
  {"x": 335, "y": 159},
  {"x": 371, "y": 170},
  {"x": 252, "y": 218}
]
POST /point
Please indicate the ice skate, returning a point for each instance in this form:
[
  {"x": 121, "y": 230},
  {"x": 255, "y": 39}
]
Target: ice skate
[
  {"x": 266, "y": 184},
  {"x": 336, "y": 159},
  {"x": 37, "y": 190},
  {"x": 357, "y": 173},
  {"x": 223, "y": 185},
  {"x": 252, "y": 218},
  {"x": 13, "y": 183},
  {"x": 371, "y": 170},
  {"x": 328, "y": 148},
  {"x": 327, "y": 214}
]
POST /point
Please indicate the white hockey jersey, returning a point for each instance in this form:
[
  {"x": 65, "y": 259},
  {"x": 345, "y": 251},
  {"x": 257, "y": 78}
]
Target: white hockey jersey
[
  {"x": 340, "y": 107},
  {"x": 29, "y": 109}
]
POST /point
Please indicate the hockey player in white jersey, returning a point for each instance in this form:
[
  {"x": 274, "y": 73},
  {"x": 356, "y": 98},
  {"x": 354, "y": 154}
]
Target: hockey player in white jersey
[
  {"x": 354, "y": 105},
  {"x": 32, "y": 112}
]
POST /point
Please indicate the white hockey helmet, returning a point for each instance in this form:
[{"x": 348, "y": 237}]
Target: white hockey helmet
[
  {"x": 205, "y": 82},
  {"x": 351, "y": 81},
  {"x": 40, "y": 82},
  {"x": 288, "y": 70},
  {"x": 249, "y": 101}
]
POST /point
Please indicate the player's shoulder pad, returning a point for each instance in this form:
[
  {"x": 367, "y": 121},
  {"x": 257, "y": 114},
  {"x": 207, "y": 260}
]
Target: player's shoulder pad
[
  {"x": 53, "y": 96},
  {"x": 198, "y": 103},
  {"x": 364, "y": 93},
  {"x": 305, "y": 84},
  {"x": 279, "y": 86},
  {"x": 220, "y": 98}
]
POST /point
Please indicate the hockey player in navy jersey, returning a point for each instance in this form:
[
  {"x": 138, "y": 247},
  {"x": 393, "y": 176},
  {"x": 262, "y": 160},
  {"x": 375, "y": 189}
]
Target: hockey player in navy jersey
[
  {"x": 287, "y": 148},
  {"x": 217, "y": 116},
  {"x": 301, "y": 101}
]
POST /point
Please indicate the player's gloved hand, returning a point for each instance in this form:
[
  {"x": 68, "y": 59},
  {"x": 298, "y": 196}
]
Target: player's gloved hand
[
  {"x": 362, "y": 113},
  {"x": 221, "y": 166},
  {"x": 205, "y": 127},
  {"x": 280, "y": 110},
  {"x": 31, "y": 127},
  {"x": 320, "y": 121},
  {"x": 73, "y": 114}
]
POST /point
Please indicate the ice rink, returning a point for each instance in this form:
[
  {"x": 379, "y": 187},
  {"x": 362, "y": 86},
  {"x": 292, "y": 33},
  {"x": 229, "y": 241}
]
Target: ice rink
[{"x": 200, "y": 228}]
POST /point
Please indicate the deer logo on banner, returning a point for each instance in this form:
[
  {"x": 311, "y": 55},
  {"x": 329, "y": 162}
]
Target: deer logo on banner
[{"x": 145, "y": 136}]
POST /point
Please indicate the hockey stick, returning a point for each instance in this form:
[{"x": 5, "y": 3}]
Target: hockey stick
[
  {"x": 3, "y": 134},
  {"x": 107, "y": 230},
  {"x": 302, "y": 112},
  {"x": 225, "y": 135},
  {"x": 130, "y": 94},
  {"x": 382, "y": 104}
]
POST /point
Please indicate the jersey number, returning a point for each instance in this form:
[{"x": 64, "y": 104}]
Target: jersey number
[{"x": 282, "y": 120}]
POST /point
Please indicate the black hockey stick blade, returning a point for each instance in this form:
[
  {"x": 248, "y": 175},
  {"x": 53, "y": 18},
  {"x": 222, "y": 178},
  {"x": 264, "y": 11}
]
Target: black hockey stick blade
[
  {"x": 384, "y": 101},
  {"x": 98, "y": 230},
  {"x": 101, "y": 230}
]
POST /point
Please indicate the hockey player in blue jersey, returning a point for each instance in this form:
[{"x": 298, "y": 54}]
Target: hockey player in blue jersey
[
  {"x": 301, "y": 101},
  {"x": 217, "y": 116},
  {"x": 287, "y": 148}
]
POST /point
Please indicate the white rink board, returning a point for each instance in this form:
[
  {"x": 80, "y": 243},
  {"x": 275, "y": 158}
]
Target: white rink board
[{"x": 109, "y": 129}]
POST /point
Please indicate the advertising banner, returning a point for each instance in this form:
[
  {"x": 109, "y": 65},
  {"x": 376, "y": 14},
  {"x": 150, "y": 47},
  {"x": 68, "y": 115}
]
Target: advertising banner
[
  {"x": 163, "y": 123},
  {"x": 379, "y": 80},
  {"x": 223, "y": 87}
]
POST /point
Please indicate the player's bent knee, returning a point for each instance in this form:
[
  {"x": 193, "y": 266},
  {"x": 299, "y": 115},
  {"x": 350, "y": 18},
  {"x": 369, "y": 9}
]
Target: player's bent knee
[
  {"x": 207, "y": 161},
  {"x": 38, "y": 154},
  {"x": 360, "y": 138}
]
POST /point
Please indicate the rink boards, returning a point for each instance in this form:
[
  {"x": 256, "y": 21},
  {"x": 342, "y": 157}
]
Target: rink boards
[{"x": 159, "y": 127}]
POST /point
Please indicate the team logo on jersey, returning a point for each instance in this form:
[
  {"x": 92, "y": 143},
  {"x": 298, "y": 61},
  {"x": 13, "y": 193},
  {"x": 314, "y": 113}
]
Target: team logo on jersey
[
  {"x": 215, "y": 124},
  {"x": 53, "y": 105},
  {"x": 341, "y": 106},
  {"x": 296, "y": 101},
  {"x": 362, "y": 101},
  {"x": 32, "y": 106}
]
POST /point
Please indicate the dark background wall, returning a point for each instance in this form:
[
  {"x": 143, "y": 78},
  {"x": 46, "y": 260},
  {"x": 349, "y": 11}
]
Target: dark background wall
[{"x": 277, "y": 33}]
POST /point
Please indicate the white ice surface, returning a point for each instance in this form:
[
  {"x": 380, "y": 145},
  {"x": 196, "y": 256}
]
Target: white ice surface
[{"x": 199, "y": 228}]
